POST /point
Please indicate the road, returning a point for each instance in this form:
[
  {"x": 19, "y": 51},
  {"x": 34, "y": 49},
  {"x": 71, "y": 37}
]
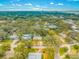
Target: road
[{"x": 10, "y": 53}]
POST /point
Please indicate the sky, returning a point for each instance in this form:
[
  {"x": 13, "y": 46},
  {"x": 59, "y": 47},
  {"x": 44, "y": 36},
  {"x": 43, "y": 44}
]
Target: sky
[{"x": 38, "y": 5}]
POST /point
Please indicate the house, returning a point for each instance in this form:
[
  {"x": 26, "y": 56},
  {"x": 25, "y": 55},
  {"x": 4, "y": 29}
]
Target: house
[
  {"x": 49, "y": 25},
  {"x": 52, "y": 26},
  {"x": 73, "y": 27},
  {"x": 54, "y": 16},
  {"x": 35, "y": 56},
  {"x": 2, "y": 21},
  {"x": 1, "y": 44},
  {"x": 63, "y": 35},
  {"x": 27, "y": 36},
  {"x": 37, "y": 37},
  {"x": 14, "y": 37},
  {"x": 61, "y": 16},
  {"x": 76, "y": 30},
  {"x": 1, "y": 38},
  {"x": 69, "y": 21},
  {"x": 73, "y": 35}
]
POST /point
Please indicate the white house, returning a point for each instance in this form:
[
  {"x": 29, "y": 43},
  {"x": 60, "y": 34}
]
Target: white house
[
  {"x": 73, "y": 27},
  {"x": 37, "y": 37},
  {"x": 52, "y": 26},
  {"x": 35, "y": 56},
  {"x": 63, "y": 35},
  {"x": 14, "y": 37},
  {"x": 27, "y": 36},
  {"x": 69, "y": 21},
  {"x": 61, "y": 16},
  {"x": 76, "y": 30}
]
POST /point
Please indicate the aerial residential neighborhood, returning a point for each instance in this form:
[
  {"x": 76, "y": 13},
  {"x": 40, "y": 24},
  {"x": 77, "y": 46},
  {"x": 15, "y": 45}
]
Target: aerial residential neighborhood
[
  {"x": 52, "y": 37},
  {"x": 39, "y": 29}
]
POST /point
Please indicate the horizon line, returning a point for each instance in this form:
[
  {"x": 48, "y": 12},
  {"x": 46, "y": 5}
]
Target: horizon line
[{"x": 43, "y": 10}]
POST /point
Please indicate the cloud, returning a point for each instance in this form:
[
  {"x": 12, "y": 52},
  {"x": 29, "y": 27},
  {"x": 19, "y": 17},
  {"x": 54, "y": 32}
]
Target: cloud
[
  {"x": 60, "y": 4},
  {"x": 16, "y": 4},
  {"x": 28, "y": 4},
  {"x": 36, "y": 8},
  {"x": 12, "y": 9},
  {"x": 51, "y": 3}
]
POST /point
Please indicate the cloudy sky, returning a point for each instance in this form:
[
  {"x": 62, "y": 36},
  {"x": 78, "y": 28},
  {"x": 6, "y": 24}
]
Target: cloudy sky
[{"x": 23, "y": 5}]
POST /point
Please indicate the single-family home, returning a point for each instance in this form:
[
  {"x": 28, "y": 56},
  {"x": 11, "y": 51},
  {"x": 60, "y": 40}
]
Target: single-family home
[
  {"x": 52, "y": 26},
  {"x": 37, "y": 37},
  {"x": 14, "y": 37},
  {"x": 35, "y": 56},
  {"x": 27, "y": 36},
  {"x": 1, "y": 38},
  {"x": 63, "y": 35},
  {"x": 69, "y": 21}
]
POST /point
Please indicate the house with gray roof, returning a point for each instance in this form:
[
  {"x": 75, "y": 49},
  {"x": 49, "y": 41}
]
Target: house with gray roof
[
  {"x": 35, "y": 56},
  {"x": 27, "y": 36},
  {"x": 1, "y": 38}
]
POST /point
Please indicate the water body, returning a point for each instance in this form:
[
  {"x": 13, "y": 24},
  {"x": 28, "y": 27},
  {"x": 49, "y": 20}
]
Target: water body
[{"x": 35, "y": 13}]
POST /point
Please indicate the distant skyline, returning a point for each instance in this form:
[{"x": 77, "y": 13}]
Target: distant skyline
[{"x": 39, "y": 5}]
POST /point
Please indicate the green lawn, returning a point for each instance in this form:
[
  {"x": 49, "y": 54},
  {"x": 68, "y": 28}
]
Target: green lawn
[{"x": 63, "y": 50}]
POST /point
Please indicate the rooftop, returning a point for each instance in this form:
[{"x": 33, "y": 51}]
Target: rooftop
[{"x": 35, "y": 56}]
